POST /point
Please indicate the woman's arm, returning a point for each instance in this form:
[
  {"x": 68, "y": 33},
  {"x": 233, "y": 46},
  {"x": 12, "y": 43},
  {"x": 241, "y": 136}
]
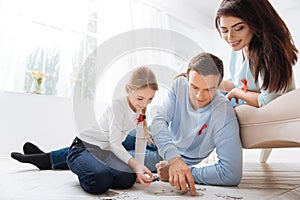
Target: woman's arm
[
  {"x": 226, "y": 85},
  {"x": 251, "y": 98}
]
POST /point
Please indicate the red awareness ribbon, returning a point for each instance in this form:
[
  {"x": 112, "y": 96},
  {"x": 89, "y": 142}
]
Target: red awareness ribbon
[
  {"x": 141, "y": 118},
  {"x": 244, "y": 88},
  {"x": 203, "y": 127}
]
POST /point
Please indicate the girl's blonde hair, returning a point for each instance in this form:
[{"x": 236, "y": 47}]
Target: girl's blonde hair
[{"x": 143, "y": 77}]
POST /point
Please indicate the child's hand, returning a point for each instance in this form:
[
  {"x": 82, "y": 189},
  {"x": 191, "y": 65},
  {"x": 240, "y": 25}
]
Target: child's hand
[{"x": 144, "y": 176}]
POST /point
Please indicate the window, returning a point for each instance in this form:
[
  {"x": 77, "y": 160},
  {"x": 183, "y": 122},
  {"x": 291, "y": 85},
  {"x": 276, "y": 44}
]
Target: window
[{"x": 53, "y": 37}]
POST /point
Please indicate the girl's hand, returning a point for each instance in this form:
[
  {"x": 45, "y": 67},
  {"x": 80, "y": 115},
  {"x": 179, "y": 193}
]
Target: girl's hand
[{"x": 144, "y": 176}]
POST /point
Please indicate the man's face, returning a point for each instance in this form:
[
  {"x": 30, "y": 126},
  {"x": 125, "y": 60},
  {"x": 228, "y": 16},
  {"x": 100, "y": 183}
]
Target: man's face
[{"x": 202, "y": 89}]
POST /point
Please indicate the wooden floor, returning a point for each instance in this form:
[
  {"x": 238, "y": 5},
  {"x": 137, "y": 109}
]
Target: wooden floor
[
  {"x": 278, "y": 179},
  {"x": 273, "y": 180}
]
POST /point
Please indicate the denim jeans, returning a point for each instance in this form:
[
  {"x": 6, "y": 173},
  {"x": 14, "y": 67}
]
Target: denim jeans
[
  {"x": 129, "y": 142},
  {"x": 98, "y": 170},
  {"x": 58, "y": 158}
]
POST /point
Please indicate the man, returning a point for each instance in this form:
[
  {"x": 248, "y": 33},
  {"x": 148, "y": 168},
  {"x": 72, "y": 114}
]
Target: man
[{"x": 195, "y": 118}]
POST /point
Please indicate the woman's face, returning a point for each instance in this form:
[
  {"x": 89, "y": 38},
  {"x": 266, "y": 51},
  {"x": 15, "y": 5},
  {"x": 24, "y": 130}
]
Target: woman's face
[
  {"x": 140, "y": 98},
  {"x": 235, "y": 32}
]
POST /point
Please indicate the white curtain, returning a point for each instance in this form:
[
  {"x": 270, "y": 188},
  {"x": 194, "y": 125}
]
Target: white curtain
[
  {"x": 46, "y": 36},
  {"x": 56, "y": 37},
  {"x": 129, "y": 15}
]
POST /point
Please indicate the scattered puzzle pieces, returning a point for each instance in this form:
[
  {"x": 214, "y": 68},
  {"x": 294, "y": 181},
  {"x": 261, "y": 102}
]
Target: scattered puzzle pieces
[{"x": 229, "y": 197}]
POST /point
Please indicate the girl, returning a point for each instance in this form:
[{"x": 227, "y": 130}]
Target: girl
[
  {"x": 97, "y": 156},
  {"x": 57, "y": 159},
  {"x": 263, "y": 52}
]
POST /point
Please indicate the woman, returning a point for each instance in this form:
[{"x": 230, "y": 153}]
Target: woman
[{"x": 263, "y": 51}]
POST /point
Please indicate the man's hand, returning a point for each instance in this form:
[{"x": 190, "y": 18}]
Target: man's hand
[
  {"x": 163, "y": 170},
  {"x": 179, "y": 174}
]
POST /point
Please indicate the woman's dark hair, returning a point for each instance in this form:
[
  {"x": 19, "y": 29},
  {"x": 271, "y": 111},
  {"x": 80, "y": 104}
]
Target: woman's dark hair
[
  {"x": 272, "y": 53},
  {"x": 206, "y": 64}
]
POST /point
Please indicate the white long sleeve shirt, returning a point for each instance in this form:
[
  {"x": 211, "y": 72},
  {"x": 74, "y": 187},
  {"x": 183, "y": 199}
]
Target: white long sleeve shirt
[{"x": 112, "y": 127}]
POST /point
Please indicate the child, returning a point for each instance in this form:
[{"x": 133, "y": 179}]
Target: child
[
  {"x": 97, "y": 156},
  {"x": 57, "y": 159}
]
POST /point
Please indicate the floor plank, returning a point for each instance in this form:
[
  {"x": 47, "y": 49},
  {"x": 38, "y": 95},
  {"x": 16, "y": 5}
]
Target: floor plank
[{"x": 270, "y": 181}]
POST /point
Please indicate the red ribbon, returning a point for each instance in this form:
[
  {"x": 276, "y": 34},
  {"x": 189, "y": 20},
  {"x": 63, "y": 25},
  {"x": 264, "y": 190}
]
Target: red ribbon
[
  {"x": 244, "y": 88},
  {"x": 141, "y": 118},
  {"x": 203, "y": 127}
]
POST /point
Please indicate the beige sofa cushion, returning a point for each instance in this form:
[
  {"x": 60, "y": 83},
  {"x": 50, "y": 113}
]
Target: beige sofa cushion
[{"x": 275, "y": 125}]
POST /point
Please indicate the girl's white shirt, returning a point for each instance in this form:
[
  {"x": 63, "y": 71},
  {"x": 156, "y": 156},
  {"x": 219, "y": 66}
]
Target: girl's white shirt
[{"x": 112, "y": 127}]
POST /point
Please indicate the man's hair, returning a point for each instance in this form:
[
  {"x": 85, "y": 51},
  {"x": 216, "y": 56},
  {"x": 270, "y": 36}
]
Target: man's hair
[{"x": 206, "y": 64}]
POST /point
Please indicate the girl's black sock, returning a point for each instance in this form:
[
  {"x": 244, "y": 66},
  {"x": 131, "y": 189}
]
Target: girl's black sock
[
  {"x": 40, "y": 160},
  {"x": 30, "y": 148}
]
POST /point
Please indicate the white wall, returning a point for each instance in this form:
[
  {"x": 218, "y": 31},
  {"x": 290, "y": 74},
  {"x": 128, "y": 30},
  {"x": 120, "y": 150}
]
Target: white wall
[
  {"x": 45, "y": 120},
  {"x": 194, "y": 24},
  {"x": 191, "y": 22},
  {"x": 291, "y": 18}
]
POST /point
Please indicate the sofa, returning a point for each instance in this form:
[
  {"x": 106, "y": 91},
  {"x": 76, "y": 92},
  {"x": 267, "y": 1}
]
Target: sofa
[{"x": 275, "y": 125}]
